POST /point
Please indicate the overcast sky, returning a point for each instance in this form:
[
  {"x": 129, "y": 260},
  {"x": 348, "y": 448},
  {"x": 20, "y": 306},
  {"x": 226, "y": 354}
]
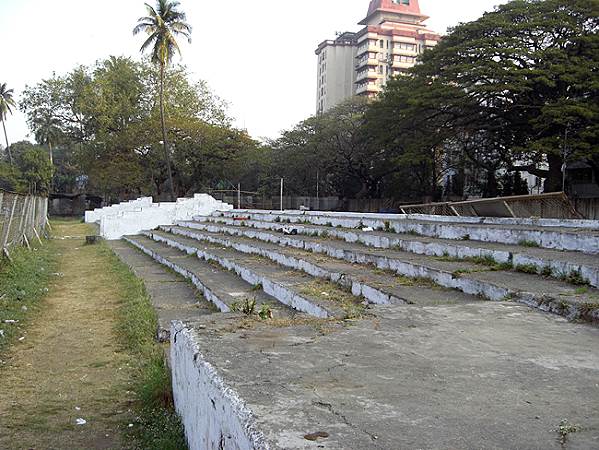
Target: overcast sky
[{"x": 258, "y": 55}]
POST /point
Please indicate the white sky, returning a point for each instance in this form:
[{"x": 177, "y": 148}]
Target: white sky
[{"x": 258, "y": 55}]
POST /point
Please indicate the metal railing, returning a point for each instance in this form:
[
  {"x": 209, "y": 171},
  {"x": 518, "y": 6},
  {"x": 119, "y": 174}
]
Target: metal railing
[
  {"x": 555, "y": 205},
  {"x": 22, "y": 218}
]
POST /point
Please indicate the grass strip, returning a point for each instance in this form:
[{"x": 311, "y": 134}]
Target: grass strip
[
  {"x": 159, "y": 426},
  {"x": 23, "y": 283}
]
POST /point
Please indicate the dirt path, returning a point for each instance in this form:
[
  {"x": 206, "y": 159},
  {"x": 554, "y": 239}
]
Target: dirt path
[{"x": 69, "y": 365}]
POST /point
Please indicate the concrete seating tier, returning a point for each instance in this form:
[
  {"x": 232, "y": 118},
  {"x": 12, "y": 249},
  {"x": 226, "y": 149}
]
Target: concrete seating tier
[{"x": 316, "y": 318}]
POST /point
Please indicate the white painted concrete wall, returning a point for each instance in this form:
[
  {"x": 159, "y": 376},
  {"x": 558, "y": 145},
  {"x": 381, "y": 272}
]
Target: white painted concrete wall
[
  {"x": 133, "y": 217},
  {"x": 131, "y": 205},
  {"x": 213, "y": 414}
]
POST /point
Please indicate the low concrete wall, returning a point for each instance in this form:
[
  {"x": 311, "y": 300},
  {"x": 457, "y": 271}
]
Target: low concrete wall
[
  {"x": 213, "y": 414},
  {"x": 132, "y": 217},
  {"x": 131, "y": 205}
]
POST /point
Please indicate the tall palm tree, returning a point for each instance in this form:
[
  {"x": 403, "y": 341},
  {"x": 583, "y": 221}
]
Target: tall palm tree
[
  {"x": 163, "y": 25},
  {"x": 6, "y": 104}
]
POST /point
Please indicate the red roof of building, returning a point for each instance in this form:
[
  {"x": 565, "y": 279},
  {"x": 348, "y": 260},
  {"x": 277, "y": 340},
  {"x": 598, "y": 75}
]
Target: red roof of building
[{"x": 394, "y": 6}]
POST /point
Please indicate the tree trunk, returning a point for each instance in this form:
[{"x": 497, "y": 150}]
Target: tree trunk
[
  {"x": 7, "y": 145},
  {"x": 164, "y": 138},
  {"x": 51, "y": 164},
  {"x": 553, "y": 183}
]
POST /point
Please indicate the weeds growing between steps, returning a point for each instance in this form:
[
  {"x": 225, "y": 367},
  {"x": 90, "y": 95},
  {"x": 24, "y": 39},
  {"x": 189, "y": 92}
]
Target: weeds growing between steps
[
  {"x": 159, "y": 426},
  {"x": 23, "y": 283}
]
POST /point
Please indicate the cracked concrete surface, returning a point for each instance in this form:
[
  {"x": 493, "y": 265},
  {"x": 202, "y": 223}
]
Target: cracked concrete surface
[{"x": 476, "y": 376}]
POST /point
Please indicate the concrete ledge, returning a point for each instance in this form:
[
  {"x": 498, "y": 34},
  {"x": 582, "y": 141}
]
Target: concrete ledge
[
  {"x": 213, "y": 414},
  {"x": 559, "y": 269},
  {"x": 566, "y": 239},
  {"x": 536, "y": 222}
]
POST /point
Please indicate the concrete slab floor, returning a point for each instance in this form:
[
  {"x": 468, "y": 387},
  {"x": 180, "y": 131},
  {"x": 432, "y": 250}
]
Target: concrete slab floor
[{"x": 473, "y": 376}]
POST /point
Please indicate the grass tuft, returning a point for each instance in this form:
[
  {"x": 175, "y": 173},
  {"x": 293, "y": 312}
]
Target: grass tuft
[{"x": 529, "y": 244}]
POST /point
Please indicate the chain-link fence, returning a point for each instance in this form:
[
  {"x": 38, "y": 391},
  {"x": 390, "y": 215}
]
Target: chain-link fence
[{"x": 22, "y": 219}]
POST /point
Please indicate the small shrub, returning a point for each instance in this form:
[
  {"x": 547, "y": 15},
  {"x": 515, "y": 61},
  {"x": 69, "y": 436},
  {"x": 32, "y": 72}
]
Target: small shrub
[
  {"x": 277, "y": 219},
  {"x": 526, "y": 268},
  {"x": 265, "y": 312},
  {"x": 575, "y": 277},
  {"x": 530, "y": 244},
  {"x": 247, "y": 307},
  {"x": 547, "y": 271},
  {"x": 565, "y": 428},
  {"x": 466, "y": 237}
]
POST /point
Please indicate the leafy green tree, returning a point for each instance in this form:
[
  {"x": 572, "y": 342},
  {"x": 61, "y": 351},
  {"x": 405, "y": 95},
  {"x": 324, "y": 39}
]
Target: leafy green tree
[
  {"x": 163, "y": 25},
  {"x": 528, "y": 72},
  {"x": 36, "y": 170},
  {"x": 7, "y": 102}
]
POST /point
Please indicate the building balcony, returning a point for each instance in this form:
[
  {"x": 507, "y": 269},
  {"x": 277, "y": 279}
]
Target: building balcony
[
  {"x": 367, "y": 62},
  {"x": 367, "y": 89},
  {"x": 404, "y": 52},
  {"x": 367, "y": 49},
  {"x": 403, "y": 65},
  {"x": 367, "y": 75}
]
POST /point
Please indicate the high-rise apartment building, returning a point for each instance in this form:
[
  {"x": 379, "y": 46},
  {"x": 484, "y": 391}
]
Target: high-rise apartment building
[{"x": 361, "y": 63}]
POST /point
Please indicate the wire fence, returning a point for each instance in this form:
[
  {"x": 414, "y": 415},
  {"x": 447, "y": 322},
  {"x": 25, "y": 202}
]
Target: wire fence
[{"x": 22, "y": 219}]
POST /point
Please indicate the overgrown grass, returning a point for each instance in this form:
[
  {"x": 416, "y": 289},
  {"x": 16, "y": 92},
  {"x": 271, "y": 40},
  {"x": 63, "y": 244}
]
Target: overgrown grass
[
  {"x": 23, "y": 282},
  {"x": 159, "y": 426}
]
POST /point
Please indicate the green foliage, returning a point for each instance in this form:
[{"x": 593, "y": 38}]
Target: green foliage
[
  {"x": 265, "y": 312},
  {"x": 103, "y": 123},
  {"x": 31, "y": 172}
]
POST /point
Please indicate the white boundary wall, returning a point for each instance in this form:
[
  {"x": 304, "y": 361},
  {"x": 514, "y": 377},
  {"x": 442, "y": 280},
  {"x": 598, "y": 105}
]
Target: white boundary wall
[{"x": 133, "y": 217}]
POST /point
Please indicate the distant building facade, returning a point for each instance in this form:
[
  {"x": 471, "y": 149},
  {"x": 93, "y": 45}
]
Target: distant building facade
[{"x": 361, "y": 63}]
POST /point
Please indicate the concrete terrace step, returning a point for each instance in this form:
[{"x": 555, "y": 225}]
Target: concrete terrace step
[
  {"x": 546, "y": 294},
  {"x": 562, "y": 238},
  {"x": 292, "y": 288},
  {"x": 557, "y": 263},
  {"x": 223, "y": 289},
  {"x": 532, "y": 221},
  {"x": 374, "y": 285},
  {"x": 172, "y": 297}
]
